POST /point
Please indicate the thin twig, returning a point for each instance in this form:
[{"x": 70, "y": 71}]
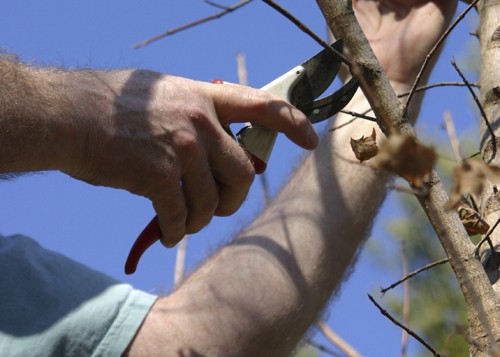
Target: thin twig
[
  {"x": 323, "y": 348},
  {"x": 356, "y": 116},
  {"x": 472, "y": 156},
  {"x": 476, "y": 100},
  {"x": 433, "y": 51},
  {"x": 410, "y": 332},
  {"x": 243, "y": 80},
  {"x": 406, "y": 300},
  {"x": 412, "y": 274},
  {"x": 337, "y": 341},
  {"x": 436, "y": 85},
  {"x": 487, "y": 238},
  {"x": 242, "y": 69},
  {"x": 452, "y": 135},
  {"x": 360, "y": 115},
  {"x": 179, "y": 261},
  {"x": 306, "y": 30},
  {"x": 214, "y": 4},
  {"x": 343, "y": 125},
  {"x": 193, "y": 24}
]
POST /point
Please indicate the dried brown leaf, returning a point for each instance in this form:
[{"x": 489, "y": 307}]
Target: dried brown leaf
[
  {"x": 471, "y": 219},
  {"x": 365, "y": 148},
  {"x": 470, "y": 178},
  {"x": 407, "y": 158}
]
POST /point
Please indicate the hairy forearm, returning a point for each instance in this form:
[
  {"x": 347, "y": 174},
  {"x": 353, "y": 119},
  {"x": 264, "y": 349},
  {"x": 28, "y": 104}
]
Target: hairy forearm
[
  {"x": 27, "y": 119},
  {"x": 46, "y": 115},
  {"x": 260, "y": 294}
]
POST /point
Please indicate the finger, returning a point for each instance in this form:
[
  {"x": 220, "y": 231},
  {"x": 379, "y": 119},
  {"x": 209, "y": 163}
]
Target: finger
[
  {"x": 233, "y": 172},
  {"x": 170, "y": 206},
  {"x": 200, "y": 191},
  {"x": 235, "y": 103}
]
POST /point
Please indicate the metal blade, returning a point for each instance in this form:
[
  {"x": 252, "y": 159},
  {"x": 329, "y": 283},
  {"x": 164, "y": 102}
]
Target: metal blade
[
  {"x": 329, "y": 106},
  {"x": 320, "y": 71}
]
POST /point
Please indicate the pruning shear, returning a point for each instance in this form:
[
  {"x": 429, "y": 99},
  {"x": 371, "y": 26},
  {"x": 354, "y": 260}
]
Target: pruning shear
[{"x": 300, "y": 86}]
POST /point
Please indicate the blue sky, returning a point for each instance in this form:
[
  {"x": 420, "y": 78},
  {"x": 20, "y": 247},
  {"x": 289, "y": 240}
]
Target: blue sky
[{"x": 96, "y": 225}]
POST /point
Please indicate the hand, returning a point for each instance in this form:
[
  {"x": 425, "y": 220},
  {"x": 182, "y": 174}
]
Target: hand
[
  {"x": 401, "y": 32},
  {"x": 163, "y": 139}
]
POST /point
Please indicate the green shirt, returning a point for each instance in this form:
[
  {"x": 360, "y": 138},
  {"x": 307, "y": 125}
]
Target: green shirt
[{"x": 53, "y": 306}]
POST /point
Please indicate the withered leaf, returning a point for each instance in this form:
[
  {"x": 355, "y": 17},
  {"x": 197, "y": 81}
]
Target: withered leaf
[
  {"x": 406, "y": 157},
  {"x": 471, "y": 219},
  {"x": 365, "y": 148},
  {"x": 470, "y": 178}
]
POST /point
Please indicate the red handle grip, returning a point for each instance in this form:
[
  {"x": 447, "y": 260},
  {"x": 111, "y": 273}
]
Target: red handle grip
[{"x": 150, "y": 235}]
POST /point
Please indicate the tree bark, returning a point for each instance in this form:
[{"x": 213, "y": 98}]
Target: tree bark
[
  {"x": 482, "y": 303},
  {"x": 489, "y": 34}
]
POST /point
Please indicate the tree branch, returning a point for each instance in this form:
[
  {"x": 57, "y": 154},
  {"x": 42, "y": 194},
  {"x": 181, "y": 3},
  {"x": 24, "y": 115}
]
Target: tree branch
[
  {"x": 476, "y": 100},
  {"x": 435, "y": 85},
  {"x": 306, "y": 30},
  {"x": 337, "y": 341},
  {"x": 406, "y": 300},
  {"x": 479, "y": 295},
  {"x": 434, "y": 50},
  {"x": 410, "y": 332},
  {"x": 226, "y": 11},
  {"x": 413, "y": 273}
]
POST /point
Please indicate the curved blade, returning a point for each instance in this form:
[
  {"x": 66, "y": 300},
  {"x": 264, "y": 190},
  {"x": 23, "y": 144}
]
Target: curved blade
[
  {"x": 329, "y": 106},
  {"x": 320, "y": 71}
]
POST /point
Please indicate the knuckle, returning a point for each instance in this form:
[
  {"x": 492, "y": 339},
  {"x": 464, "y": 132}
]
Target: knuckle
[
  {"x": 225, "y": 211},
  {"x": 177, "y": 217},
  {"x": 261, "y": 100},
  {"x": 246, "y": 174},
  {"x": 201, "y": 213},
  {"x": 209, "y": 204},
  {"x": 186, "y": 142}
]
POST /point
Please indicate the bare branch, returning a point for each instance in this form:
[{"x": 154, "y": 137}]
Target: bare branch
[
  {"x": 305, "y": 29},
  {"x": 436, "y": 85},
  {"x": 360, "y": 115},
  {"x": 226, "y": 11},
  {"x": 336, "y": 340},
  {"x": 406, "y": 300},
  {"x": 480, "y": 297},
  {"x": 476, "y": 100},
  {"x": 243, "y": 80},
  {"x": 343, "y": 125},
  {"x": 433, "y": 51},
  {"x": 179, "y": 261},
  {"x": 323, "y": 348},
  {"x": 452, "y": 135},
  {"x": 214, "y": 4},
  {"x": 410, "y": 332},
  {"x": 242, "y": 69},
  {"x": 487, "y": 238},
  {"x": 356, "y": 116},
  {"x": 412, "y": 274}
]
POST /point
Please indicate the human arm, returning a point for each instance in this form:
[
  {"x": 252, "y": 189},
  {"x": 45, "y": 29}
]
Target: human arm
[
  {"x": 259, "y": 295},
  {"x": 140, "y": 131}
]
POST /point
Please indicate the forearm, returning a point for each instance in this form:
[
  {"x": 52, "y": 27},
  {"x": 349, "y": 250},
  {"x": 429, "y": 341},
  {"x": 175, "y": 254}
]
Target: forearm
[
  {"x": 46, "y": 115},
  {"x": 260, "y": 294},
  {"x": 295, "y": 255},
  {"x": 28, "y": 117}
]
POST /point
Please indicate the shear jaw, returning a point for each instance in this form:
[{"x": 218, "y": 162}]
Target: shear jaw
[{"x": 299, "y": 86}]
